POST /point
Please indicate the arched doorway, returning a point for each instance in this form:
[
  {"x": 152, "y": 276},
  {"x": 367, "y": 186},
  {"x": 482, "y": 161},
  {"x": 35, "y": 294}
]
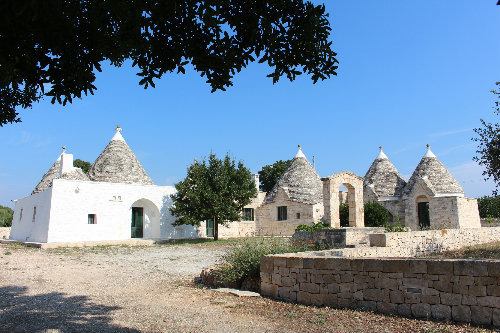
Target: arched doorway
[
  {"x": 423, "y": 216},
  {"x": 145, "y": 219}
]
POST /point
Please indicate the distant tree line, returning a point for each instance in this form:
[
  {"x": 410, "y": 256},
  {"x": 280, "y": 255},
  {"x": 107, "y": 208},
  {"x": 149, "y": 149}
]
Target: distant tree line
[{"x": 489, "y": 206}]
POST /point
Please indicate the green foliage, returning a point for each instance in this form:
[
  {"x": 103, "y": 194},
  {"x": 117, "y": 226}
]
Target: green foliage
[
  {"x": 398, "y": 228},
  {"x": 53, "y": 47},
  {"x": 489, "y": 207},
  {"x": 243, "y": 259},
  {"x": 311, "y": 228},
  {"x": 84, "y": 165},
  {"x": 217, "y": 189},
  {"x": 270, "y": 174},
  {"x": 6, "y": 215},
  {"x": 344, "y": 214},
  {"x": 376, "y": 215},
  {"x": 488, "y": 151}
]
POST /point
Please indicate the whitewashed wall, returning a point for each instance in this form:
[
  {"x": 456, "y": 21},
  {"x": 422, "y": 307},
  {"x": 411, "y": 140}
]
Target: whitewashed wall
[{"x": 24, "y": 228}]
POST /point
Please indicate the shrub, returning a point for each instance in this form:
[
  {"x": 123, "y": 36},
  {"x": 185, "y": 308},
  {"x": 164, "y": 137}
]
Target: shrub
[
  {"x": 311, "y": 228},
  {"x": 376, "y": 215},
  {"x": 489, "y": 206},
  {"x": 344, "y": 214},
  {"x": 398, "y": 228},
  {"x": 242, "y": 260},
  {"x": 6, "y": 214}
]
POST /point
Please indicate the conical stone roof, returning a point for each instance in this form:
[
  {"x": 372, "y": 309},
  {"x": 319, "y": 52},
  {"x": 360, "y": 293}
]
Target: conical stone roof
[
  {"x": 300, "y": 181},
  {"x": 118, "y": 164},
  {"x": 438, "y": 176},
  {"x": 385, "y": 178},
  {"x": 48, "y": 177}
]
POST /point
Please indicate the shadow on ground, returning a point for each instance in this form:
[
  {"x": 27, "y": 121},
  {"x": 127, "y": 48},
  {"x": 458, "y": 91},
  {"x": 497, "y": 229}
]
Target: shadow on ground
[{"x": 56, "y": 312}]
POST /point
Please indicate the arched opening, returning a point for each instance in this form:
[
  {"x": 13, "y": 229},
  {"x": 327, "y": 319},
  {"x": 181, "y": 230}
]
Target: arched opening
[
  {"x": 145, "y": 221},
  {"x": 423, "y": 216},
  {"x": 335, "y": 202},
  {"x": 347, "y": 214}
]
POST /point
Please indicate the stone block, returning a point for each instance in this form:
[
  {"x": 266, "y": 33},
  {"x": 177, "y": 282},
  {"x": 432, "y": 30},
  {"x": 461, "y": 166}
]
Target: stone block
[
  {"x": 294, "y": 262},
  {"x": 443, "y": 286},
  {"x": 346, "y": 302},
  {"x": 495, "y": 316},
  {"x": 367, "y": 305},
  {"x": 358, "y": 295},
  {"x": 412, "y": 298},
  {"x": 404, "y": 310},
  {"x": 372, "y": 265},
  {"x": 441, "y": 312},
  {"x": 333, "y": 288},
  {"x": 461, "y": 313},
  {"x": 283, "y": 292},
  {"x": 330, "y": 300},
  {"x": 490, "y": 301},
  {"x": 481, "y": 315},
  {"x": 303, "y": 297},
  {"x": 387, "y": 308},
  {"x": 396, "y": 297},
  {"x": 459, "y": 288},
  {"x": 450, "y": 299},
  {"x": 468, "y": 280},
  {"x": 469, "y": 300},
  {"x": 280, "y": 261},
  {"x": 301, "y": 277},
  {"x": 430, "y": 299},
  {"x": 394, "y": 275},
  {"x": 395, "y": 265},
  {"x": 431, "y": 277},
  {"x": 421, "y": 310},
  {"x": 372, "y": 294},
  {"x": 266, "y": 264},
  {"x": 486, "y": 280},
  {"x": 492, "y": 290},
  {"x": 357, "y": 265},
  {"x": 386, "y": 283},
  {"x": 330, "y": 278},
  {"x": 430, "y": 291},
  {"x": 308, "y": 262},
  {"x": 287, "y": 282},
  {"x": 316, "y": 299},
  {"x": 345, "y": 288},
  {"x": 477, "y": 290},
  {"x": 276, "y": 279},
  {"x": 265, "y": 277},
  {"x": 415, "y": 283},
  {"x": 293, "y": 296},
  {"x": 418, "y": 266},
  {"x": 268, "y": 289},
  {"x": 316, "y": 278},
  {"x": 311, "y": 288},
  {"x": 494, "y": 268},
  {"x": 439, "y": 267},
  {"x": 470, "y": 268},
  {"x": 346, "y": 277}
]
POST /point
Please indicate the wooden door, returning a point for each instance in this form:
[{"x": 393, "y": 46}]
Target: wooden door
[{"x": 137, "y": 222}]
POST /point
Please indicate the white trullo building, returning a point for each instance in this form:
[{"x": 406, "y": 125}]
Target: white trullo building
[{"x": 116, "y": 200}]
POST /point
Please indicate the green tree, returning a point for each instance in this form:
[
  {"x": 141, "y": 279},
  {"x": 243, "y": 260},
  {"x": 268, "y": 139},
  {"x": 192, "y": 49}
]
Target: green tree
[
  {"x": 344, "y": 214},
  {"x": 270, "y": 174},
  {"x": 6, "y": 214},
  {"x": 84, "y": 165},
  {"x": 376, "y": 215},
  {"x": 489, "y": 207},
  {"x": 53, "y": 47},
  {"x": 489, "y": 146},
  {"x": 214, "y": 189}
]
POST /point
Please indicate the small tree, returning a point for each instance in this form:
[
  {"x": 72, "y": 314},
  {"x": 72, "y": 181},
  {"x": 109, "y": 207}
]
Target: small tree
[
  {"x": 84, "y": 165},
  {"x": 270, "y": 174},
  {"x": 489, "y": 207},
  {"x": 344, "y": 214},
  {"x": 376, "y": 215},
  {"x": 6, "y": 214},
  {"x": 489, "y": 146},
  {"x": 217, "y": 189}
]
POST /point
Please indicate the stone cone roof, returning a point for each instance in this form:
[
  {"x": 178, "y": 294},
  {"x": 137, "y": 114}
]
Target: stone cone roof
[
  {"x": 437, "y": 175},
  {"x": 48, "y": 177},
  {"x": 385, "y": 178},
  {"x": 118, "y": 164},
  {"x": 300, "y": 181}
]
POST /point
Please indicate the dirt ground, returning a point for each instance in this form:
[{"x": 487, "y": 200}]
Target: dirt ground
[{"x": 150, "y": 289}]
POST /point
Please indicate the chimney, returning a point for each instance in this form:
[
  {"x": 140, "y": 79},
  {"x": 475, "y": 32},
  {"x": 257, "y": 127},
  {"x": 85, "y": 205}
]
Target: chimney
[{"x": 66, "y": 162}]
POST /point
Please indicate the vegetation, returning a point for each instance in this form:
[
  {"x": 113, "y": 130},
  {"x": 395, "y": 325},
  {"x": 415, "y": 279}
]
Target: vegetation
[
  {"x": 488, "y": 151},
  {"x": 344, "y": 214},
  {"x": 270, "y": 174},
  {"x": 242, "y": 260},
  {"x": 376, "y": 215},
  {"x": 84, "y": 165},
  {"x": 489, "y": 207},
  {"x": 398, "y": 228},
  {"x": 6, "y": 215},
  {"x": 311, "y": 228},
  {"x": 53, "y": 47},
  {"x": 480, "y": 251},
  {"x": 217, "y": 189}
]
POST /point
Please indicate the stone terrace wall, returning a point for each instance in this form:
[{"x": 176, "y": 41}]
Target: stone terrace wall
[{"x": 442, "y": 289}]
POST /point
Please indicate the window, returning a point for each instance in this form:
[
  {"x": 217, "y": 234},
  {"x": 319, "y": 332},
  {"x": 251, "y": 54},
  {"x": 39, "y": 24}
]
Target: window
[
  {"x": 34, "y": 214},
  {"x": 282, "y": 213},
  {"x": 92, "y": 219},
  {"x": 298, "y": 216},
  {"x": 21, "y": 215},
  {"x": 248, "y": 214}
]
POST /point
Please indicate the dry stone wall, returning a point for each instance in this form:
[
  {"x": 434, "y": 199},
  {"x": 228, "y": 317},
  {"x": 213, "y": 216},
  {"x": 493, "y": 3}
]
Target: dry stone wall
[{"x": 443, "y": 289}]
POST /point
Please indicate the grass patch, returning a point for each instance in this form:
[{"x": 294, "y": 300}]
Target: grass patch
[
  {"x": 7, "y": 253},
  {"x": 319, "y": 321},
  {"x": 205, "y": 242},
  {"x": 480, "y": 251}
]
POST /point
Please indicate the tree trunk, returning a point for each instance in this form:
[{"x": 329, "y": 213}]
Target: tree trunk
[{"x": 216, "y": 229}]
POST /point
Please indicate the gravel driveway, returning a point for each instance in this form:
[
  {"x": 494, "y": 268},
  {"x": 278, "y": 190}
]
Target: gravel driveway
[{"x": 150, "y": 289}]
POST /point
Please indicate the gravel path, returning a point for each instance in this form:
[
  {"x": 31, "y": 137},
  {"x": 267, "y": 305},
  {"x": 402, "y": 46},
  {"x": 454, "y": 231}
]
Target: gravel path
[{"x": 150, "y": 289}]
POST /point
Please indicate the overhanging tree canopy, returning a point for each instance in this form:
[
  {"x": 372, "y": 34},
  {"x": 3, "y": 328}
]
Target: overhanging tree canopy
[
  {"x": 217, "y": 189},
  {"x": 53, "y": 47}
]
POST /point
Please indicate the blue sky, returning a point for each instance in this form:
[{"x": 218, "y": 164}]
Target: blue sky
[{"x": 410, "y": 73}]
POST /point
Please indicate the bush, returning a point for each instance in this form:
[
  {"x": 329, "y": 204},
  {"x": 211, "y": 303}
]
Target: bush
[
  {"x": 242, "y": 260},
  {"x": 344, "y": 214},
  {"x": 398, "y": 228},
  {"x": 376, "y": 215},
  {"x": 311, "y": 228},
  {"x": 6, "y": 214},
  {"x": 489, "y": 207}
]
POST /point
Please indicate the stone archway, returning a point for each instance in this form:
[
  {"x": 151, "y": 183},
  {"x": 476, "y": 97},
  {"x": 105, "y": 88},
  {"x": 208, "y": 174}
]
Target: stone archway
[
  {"x": 150, "y": 217},
  {"x": 354, "y": 185}
]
